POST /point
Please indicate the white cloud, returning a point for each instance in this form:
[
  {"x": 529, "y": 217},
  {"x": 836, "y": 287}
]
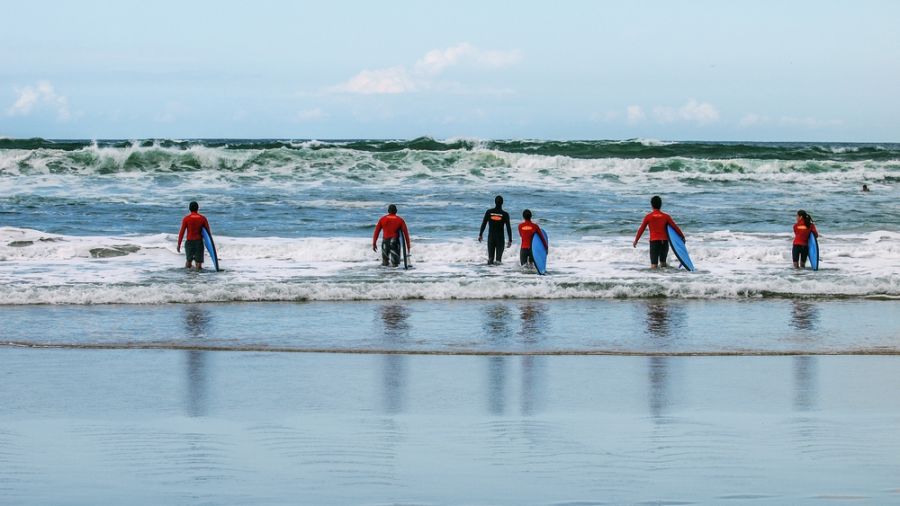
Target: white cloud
[
  {"x": 41, "y": 94},
  {"x": 752, "y": 119},
  {"x": 809, "y": 122},
  {"x": 381, "y": 81},
  {"x": 400, "y": 79},
  {"x": 310, "y": 115},
  {"x": 634, "y": 114},
  {"x": 701, "y": 113}
]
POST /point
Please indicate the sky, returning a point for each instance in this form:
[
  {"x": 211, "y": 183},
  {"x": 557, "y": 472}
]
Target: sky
[{"x": 749, "y": 70}]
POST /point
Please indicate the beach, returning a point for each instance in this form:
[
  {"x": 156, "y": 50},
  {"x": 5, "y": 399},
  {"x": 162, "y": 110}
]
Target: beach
[
  {"x": 467, "y": 402},
  {"x": 200, "y": 427}
]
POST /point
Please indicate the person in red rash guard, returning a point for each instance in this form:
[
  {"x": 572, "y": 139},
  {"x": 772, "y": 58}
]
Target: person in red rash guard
[
  {"x": 803, "y": 227},
  {"x": 193, "y": 246},
  {"x": 659, "y": 237},
  {"x": 391, "y": 225},
  {"x": 527, "y": 231}
]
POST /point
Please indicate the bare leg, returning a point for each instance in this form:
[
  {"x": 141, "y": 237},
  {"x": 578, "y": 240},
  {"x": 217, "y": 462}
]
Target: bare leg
[
  {"x": 796, "y": 265},
  {"x": 654, "y": 266},
  {"x": 663, "y": 264}
]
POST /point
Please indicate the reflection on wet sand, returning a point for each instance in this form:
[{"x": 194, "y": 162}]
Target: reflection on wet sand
[
  {"x": 805, "y": 318},
  {"x": 532, "y": 316},
  {"x": 196, "y": 324},
  {"x": 804, "y": 315},
  {"x": 395, "y": 330},
  {"x": 658, "y": 326},
  {"x": 496, "y": 329}
]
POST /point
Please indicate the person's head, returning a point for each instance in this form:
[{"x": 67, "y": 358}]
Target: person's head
[
  {"x": 498, "y": 200},
  {"x": 865, "y": 188},
  {"x": 526, "y": 214},
  {"x": 392, "y": 209},
  {"x": 656, "y": 202},
  {"x": 194, "y": 207},
  {"x": 803, "y": 215}
]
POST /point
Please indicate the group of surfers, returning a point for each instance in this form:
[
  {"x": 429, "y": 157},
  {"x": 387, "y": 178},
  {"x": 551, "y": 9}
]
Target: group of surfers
[{"x": 496, "y": 220}]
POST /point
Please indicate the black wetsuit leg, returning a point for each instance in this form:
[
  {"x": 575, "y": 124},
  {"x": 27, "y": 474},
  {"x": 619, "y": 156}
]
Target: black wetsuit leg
[
  {"x": 800, "y": 253},
  {"x": 526, "y": 256},
  {"x": 659, "y": 250},
  {"x": 495, "y": 250},
  {"x": 390, "y": 251}
]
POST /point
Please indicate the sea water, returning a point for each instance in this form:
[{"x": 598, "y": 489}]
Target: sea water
[{"x": 96, "y": 222}]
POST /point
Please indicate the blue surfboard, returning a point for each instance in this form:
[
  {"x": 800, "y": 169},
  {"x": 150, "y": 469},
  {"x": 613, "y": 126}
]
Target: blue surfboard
[
  {"x": 210, "y": 247},
  {"x": 813, "y": 252},
  {"x": 679, "y": 248},
  {"x": 403, "y": 250},
  {"x": 539, "y": 252}
]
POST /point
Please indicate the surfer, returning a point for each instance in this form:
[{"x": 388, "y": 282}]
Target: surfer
[
  {"x": 193, "y": 223},
  {"x": 865, "y": 187},
  {"x": 802, "y": 228},
  {"x": 497, "y": 218},
  {"x": 527, "y": 231},
  {"x": 392, "y": 225},
  {"x": 659, "y": 238}
]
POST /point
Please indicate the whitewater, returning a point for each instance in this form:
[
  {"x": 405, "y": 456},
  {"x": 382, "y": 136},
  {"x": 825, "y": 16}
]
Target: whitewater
[{"x": 96, "y": 222}]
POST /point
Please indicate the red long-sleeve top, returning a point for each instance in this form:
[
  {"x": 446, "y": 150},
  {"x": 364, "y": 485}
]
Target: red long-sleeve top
[
  {"x": 801, "y": 233},
  {"x": 657, "y": 221},
  {"x": 527, "y": 230},
  {"x": 391, "y": 224},
  {"x": 193, "y": 223}
]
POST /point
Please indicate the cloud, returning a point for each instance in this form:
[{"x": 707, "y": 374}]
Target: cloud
[
  {"x": 701, "y": 113},
  {"x": 753, "y": 120},
  {"x": 40, "y": 95},
  {"x": 376, "y": 82},
  {"x": 634, "y": 114},
  {"x": 310, "y": 115},
  {"x": 420, "y": 77}
]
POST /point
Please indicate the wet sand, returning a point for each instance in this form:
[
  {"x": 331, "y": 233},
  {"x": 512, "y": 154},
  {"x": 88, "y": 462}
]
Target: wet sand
[{"x": 198, "y": 427}]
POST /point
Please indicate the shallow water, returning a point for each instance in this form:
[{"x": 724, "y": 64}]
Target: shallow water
[
  {"x": 652, "y": 326},
  {"x": 178, "y": 427}
]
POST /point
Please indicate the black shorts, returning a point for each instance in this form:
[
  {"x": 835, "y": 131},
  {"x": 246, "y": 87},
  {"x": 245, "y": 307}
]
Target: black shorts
[
  {"x": 799, "y": 253},
  {"x": 526, "y": 256},
  {"x": 193, "y": 250},
  {"x": 390, "y": 251},
  {"x": 658, "y": 252}
]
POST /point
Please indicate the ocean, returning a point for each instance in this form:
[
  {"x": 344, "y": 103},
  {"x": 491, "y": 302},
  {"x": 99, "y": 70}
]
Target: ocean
[
  {"x": 307, "y": 373},
  {"x": 95, "y": 222}
]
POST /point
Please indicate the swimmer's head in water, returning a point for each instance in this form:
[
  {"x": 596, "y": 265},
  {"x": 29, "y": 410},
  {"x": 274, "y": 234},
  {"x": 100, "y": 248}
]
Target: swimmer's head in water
[
  {"x": 526, "y": 214},
  {"x": 656, "y": 202},
  {"x": 498, "y": 200},
  {"x": 194, "y": 207}
]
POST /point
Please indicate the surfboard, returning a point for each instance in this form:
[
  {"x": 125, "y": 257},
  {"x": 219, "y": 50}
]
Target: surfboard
[
  {"x": 403, "y": 250},
  {"x": 679, "y": 248},
  {"x": 813, "y": 252},
  {"x": 540, "y": 253},
  {"x": 210, "y": 247}
]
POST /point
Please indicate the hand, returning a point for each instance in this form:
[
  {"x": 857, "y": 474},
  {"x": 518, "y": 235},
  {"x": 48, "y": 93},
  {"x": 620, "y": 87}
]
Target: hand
[
  {"x": 375, "y": 248},
  {"x": 178, "y": 249},
  {"x": 509, "y": 244},
  {"x": 479, "y": 238},
  {"x": 634, "y": 244}
]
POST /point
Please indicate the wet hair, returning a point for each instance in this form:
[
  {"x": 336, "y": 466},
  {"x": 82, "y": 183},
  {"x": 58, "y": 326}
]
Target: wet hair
[
  {"x": 807, "y": 218},
  {"x": 656, "y": 202},
  {"x": 526, "y": 214},
  {"x": 392, "y": 209},
  {"x": 194, "y": 206},
  {"x": 498, "y": 200}
]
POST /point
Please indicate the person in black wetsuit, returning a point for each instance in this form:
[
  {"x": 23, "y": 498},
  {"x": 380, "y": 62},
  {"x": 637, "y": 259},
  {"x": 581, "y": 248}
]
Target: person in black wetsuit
[{"x": 497, "y": 218}]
